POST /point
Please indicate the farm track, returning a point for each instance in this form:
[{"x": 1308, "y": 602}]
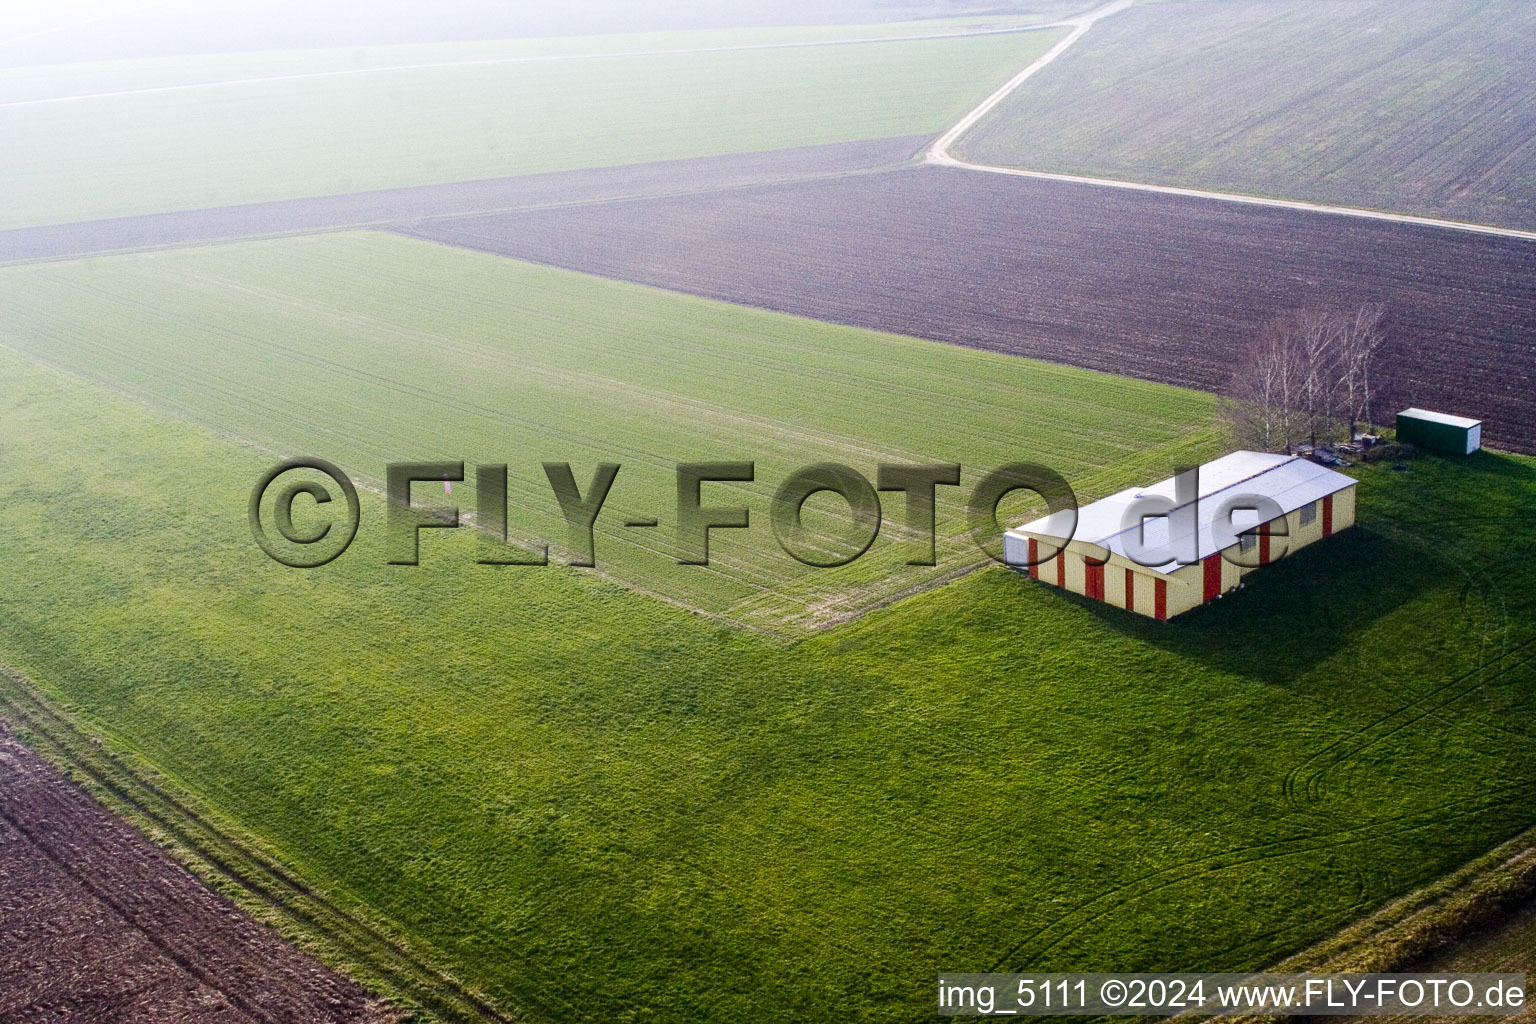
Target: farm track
[
  {"x": 1299, "y": 205},
  {"x": 1159, "y": 287},
  {"x": 380, "y": 208},
  {"x": 373, "y": 952},
  {"x": 938, "y": 151}
]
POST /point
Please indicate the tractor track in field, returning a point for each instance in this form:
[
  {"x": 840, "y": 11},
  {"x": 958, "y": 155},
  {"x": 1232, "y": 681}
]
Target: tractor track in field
[
  {"x": 1505, "y": 662},
  {"x": 1301, "y": 786},
  {"x": 1309, "y": 784},
  {"x": 261, "y": 878}
]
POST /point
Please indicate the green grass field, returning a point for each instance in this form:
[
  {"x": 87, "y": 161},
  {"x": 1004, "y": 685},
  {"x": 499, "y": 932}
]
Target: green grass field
[
  {"x": 650, "y": 792},
  {"x": 1421, "y": 107},
  {"x": 189, "y": 149},
  {"x": 366, "y": 348},
  {"x": 592, "y": 804},
  {"x": 540, "y": 775}
]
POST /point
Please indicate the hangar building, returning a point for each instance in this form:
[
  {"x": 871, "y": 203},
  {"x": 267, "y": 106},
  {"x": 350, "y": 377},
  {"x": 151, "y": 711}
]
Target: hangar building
[{"x": 1201, "y": 548}]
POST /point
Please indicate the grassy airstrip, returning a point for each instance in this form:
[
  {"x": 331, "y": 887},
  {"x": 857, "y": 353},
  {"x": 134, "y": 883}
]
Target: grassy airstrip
[
  {"x": 594, "y": 805},
  {"x": 368, "y": 348},
  {"x": 456, "y": 113}
]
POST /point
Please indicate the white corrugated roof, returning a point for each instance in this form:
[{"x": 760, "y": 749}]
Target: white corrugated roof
[
  {"x": 1440, "y": 417},
  {"x": 1287, "y": 480}
]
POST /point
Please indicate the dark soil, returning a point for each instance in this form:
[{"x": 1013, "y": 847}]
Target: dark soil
[{"x": 99, "y": 925}]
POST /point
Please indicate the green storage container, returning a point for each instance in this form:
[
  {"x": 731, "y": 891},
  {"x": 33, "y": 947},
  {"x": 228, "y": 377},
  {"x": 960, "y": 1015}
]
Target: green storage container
[{"x": 1440, "y": 432}]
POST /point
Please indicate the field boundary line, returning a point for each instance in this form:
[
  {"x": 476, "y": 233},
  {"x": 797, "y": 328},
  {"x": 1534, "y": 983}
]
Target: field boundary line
[
  {"x": 224, "y": 860},
  {"x": 529, "y": 59},
  {"x": 938, "y": 153}
]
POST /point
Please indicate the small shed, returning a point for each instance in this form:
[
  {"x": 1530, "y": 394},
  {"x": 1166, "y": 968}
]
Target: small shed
[{"x": 1439, "y": 431}]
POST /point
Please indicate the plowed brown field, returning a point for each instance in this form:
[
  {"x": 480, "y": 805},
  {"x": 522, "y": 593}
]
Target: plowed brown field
[{"x": 97, "y": 924}]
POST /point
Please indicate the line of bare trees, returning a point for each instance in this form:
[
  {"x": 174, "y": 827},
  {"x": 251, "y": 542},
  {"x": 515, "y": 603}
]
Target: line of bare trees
[{"x": 1308, "y": 377}]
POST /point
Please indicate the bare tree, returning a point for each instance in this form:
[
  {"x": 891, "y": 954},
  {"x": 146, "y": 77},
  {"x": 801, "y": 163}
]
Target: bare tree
[
  {"x": 1361, "y": 339},
  {"x": 1314, "y": 336},
  {"x": 1304, "y": 376},
  {"x": 1262, "y": 407}
]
